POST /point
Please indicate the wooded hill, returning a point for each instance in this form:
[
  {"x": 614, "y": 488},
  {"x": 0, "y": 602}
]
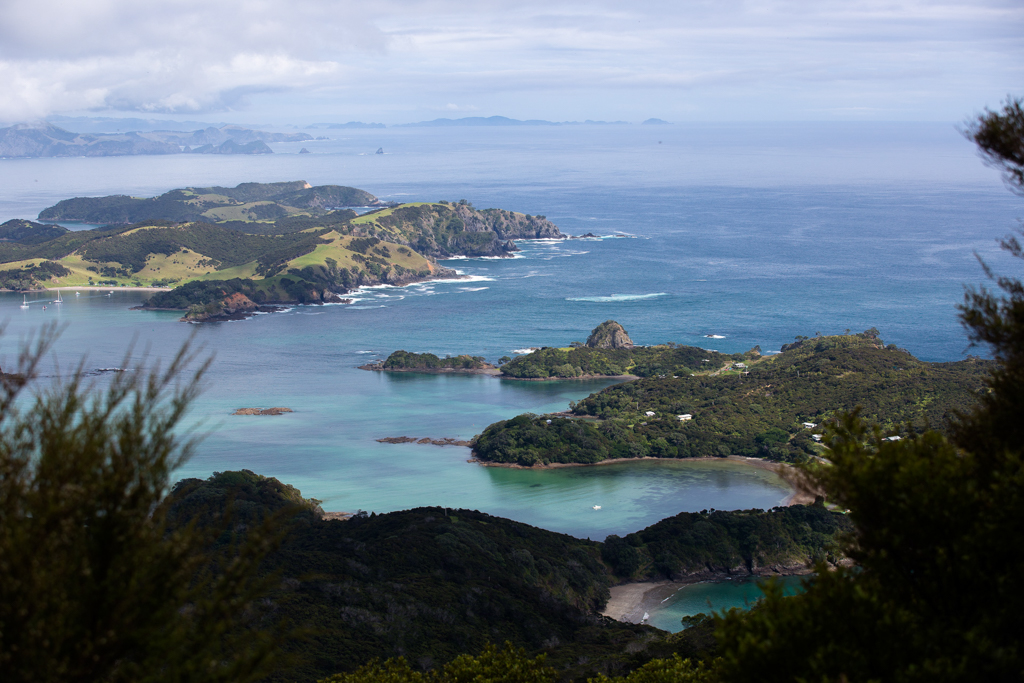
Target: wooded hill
[
  {"x": 757, "y": 410},
  {"x": 286, "y": 241},
  {"x": 431, "y": 583}
]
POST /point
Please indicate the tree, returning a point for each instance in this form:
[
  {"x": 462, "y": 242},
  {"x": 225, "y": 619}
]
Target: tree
[
  {"x": 95, "y": 584},
  {"x": 1000, "y": 137},
  {"x": 937, "y": 526}
]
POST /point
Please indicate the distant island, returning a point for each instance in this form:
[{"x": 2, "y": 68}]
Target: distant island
[
  {"x": 230, "y": 252},
  {"x": 504, "y": 121},
  {"x": 47, "y": 140}
]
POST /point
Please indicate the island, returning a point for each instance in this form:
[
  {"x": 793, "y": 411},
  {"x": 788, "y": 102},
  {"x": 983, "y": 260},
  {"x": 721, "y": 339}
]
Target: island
[
  {"x": 226, "y": 253},
  {"x": 25, "y": 140},
  {"x": 403, "y": 361},
  {"x": 608, "y": 352},
  {"x": 771, "y": 407},
  {"x": 681, "y": 401}
]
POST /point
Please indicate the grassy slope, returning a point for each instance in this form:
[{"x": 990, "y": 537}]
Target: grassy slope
[{"x": 185, "y": 265}]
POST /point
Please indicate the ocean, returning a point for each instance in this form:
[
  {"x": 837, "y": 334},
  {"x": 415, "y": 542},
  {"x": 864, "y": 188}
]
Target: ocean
[{"x": 752, "y": 234}]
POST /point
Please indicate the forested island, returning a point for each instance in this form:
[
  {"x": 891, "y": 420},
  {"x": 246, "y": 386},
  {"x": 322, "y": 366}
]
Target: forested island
[
  {"x": 253, "y": 245},
  {"x": 770, "y": 407},
  {"x": 686, "y": 402}
]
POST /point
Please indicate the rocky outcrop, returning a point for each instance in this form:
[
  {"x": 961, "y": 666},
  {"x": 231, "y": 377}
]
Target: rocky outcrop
[
  {"x": 448, "y": 229},
  {"x": 235, "y": 306},
  {"x": 262, "y": 411},
  {"x": 609, "y": 335}
]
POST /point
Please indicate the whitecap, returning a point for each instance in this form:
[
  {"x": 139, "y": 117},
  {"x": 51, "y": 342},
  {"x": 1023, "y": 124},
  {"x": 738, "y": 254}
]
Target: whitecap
[
  {"x": 616, "y": 298},
  {"x": 473, "y": 289},
  {"x": 365, "y": 308},
  {"x": 715, "y": 336},
  {"x": 366, "y": 352}
]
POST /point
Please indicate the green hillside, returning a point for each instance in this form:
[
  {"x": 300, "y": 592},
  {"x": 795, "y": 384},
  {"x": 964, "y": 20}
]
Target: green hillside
[
  {"x": 758, "y": 409},
  {"x": 284, "y": 241},
  {"x": 431, "y": 583},
  {"x": 247, "y": 202}
]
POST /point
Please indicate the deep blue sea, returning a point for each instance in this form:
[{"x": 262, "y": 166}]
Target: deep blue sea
[{"x": 751, "y": 233}]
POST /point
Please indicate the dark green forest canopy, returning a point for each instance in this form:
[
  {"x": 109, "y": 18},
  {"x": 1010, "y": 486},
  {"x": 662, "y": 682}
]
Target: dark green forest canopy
[
  {"x": 404, "y": 360},
  {"x": 642, "y": 361},
  {"x": 757, "y": 412},
  {"x": 719, "y": 542},
  {"x": 431, "y": 583}
]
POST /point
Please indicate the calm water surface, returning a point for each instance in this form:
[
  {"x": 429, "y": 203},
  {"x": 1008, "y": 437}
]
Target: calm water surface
[{"x": 713, "y": 597}]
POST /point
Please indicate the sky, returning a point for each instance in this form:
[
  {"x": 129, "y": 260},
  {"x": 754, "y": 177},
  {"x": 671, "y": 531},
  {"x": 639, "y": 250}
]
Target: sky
[{"x": 395, "y": 61}]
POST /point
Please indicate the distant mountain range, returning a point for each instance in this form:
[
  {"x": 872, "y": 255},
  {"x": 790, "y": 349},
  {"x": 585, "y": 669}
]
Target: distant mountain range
[
  {"x": 47, "y": 140},
  {"x": 505, "y": 121}
]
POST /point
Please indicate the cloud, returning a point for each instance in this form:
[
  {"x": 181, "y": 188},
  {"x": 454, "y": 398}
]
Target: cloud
[{"x": 556, "y": 59}]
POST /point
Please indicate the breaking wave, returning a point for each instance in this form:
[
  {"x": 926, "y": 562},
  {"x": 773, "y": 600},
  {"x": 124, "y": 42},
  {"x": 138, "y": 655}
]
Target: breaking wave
[{"x": 616, "y": 298}]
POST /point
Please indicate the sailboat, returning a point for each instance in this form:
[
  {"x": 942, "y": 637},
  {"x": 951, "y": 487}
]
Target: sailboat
[
  {"x": 24, "y": 300},
  {"x": 58, "y": 300}
]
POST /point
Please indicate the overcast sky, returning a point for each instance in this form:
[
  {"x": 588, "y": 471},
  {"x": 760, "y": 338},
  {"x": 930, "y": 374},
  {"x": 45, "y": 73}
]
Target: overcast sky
[{"x": 396, "y": 61}]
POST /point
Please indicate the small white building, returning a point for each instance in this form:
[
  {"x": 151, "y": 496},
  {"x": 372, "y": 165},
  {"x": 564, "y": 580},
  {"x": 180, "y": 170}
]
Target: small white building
[
  {"x": 741, "y": 365},
  {"x": 684, "y": 418},
  {"x": 649, "y": 413},
  {"x": 893, "y": 438},
  {"x": 816, "y": 437},
  {"x": 809, "y": 425}
]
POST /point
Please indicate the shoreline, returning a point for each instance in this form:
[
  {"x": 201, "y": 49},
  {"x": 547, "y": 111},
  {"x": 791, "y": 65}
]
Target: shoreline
[
  {"x": 376, "y": 367},
  {"x": 88, "y": 288},
  {"x": 621, "y": 378},
  {"x": 629, "y": 601},
  {"x": 796, "y": 496}
]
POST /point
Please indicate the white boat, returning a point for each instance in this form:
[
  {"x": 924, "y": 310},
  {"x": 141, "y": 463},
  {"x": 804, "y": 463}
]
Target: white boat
[
  {"x": 58, "y": 300},
  {"x": 77, "y": 293},
  {"x": 597, "y": 507},
  {"x": 24, "y": 301}
]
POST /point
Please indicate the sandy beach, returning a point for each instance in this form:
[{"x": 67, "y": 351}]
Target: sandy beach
[{"x": 630, "y": 600}]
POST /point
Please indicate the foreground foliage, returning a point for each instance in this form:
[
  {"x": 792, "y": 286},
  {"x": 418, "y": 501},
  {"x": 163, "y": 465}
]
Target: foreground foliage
[
  {"x": 94, "y": 585},
  {"x": 935, "y": 596}
]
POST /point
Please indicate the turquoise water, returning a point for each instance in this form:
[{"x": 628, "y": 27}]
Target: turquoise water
[
  {"x": 713, "y": 597},
  {"x": 753, "y": 234}
]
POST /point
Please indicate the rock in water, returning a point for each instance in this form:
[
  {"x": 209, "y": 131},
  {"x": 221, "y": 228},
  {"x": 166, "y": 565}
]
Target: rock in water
[
  {"x": 304, "y": 151},
  {"x": 380, "y": 150},
  {"x": 609, "y": 335}
]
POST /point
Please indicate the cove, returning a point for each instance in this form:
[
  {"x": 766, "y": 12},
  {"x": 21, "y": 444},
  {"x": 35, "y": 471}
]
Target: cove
[
  {"x": 306, "y": 360},
  {"x": 717, "y": 596}
]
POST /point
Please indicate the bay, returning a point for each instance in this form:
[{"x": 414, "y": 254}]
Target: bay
[
  {"x": 714, "y": 597},
  {"x": 752, "y": 234}
]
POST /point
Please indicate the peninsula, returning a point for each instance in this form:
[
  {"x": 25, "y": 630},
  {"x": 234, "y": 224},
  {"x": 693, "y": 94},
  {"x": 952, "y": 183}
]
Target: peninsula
[
  {"x": 254, "y": 245},
  {"x": 772, "y": 407}
]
